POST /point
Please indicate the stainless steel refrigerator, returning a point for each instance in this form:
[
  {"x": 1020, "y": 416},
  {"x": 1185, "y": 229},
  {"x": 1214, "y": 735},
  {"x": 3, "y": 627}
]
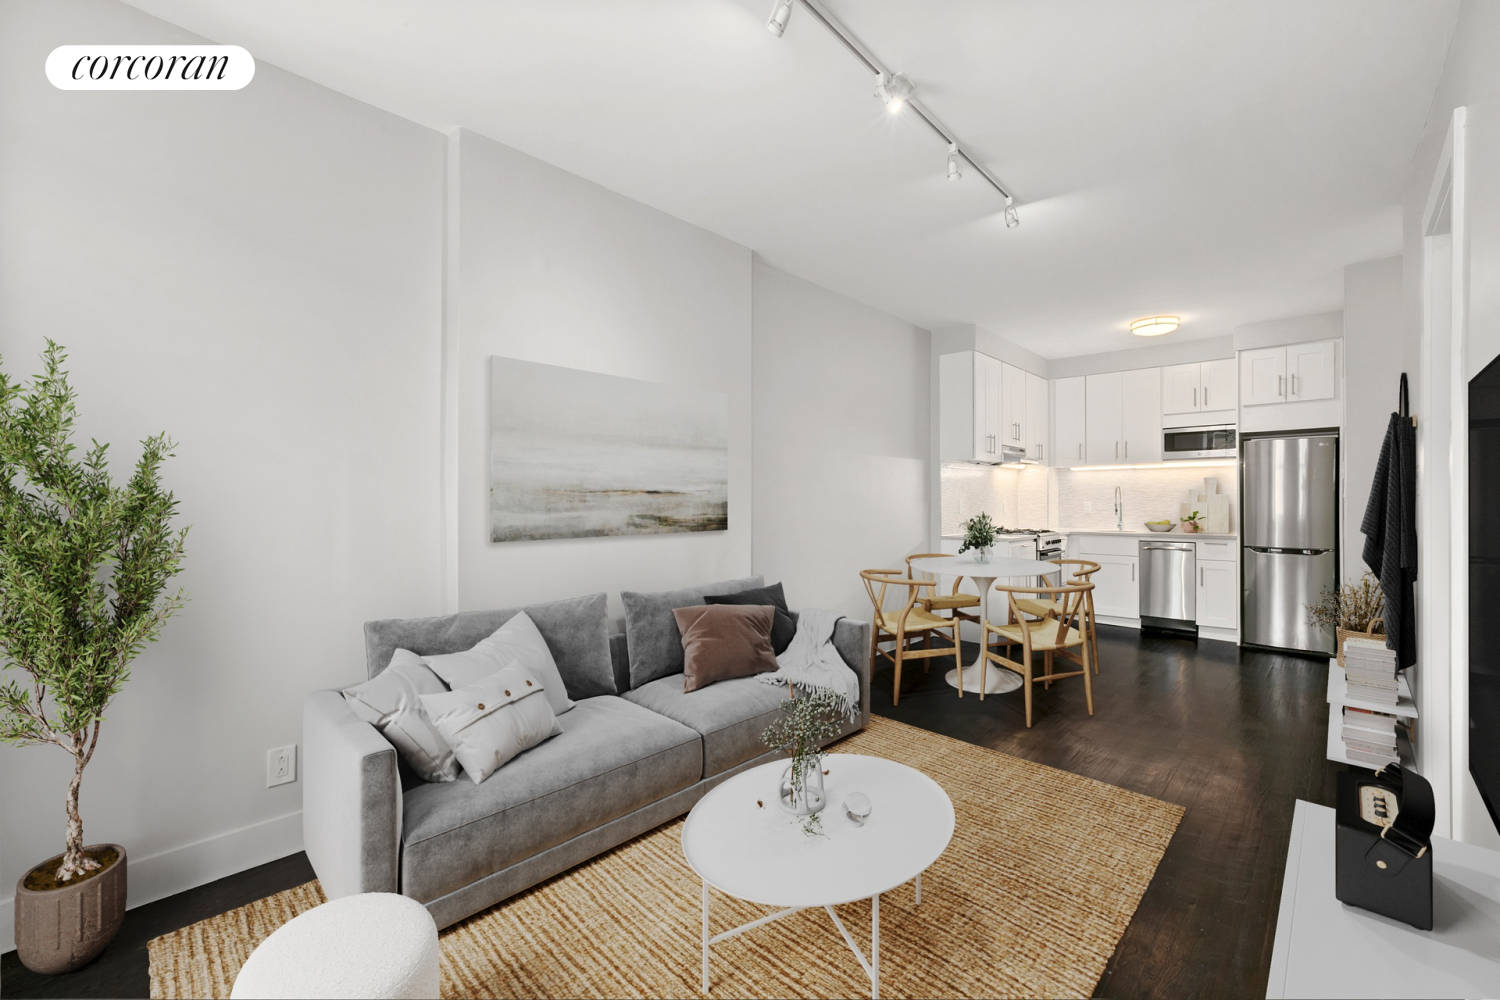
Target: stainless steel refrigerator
[{"x": 1289, "y": 487}]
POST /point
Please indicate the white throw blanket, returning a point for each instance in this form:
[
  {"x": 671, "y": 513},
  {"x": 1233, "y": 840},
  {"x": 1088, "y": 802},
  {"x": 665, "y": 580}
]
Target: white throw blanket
[{"x": 813, "y": 661}]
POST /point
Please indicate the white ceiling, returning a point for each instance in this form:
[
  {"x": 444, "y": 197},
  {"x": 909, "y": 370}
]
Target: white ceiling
[{"x": 1221, "y": 161}]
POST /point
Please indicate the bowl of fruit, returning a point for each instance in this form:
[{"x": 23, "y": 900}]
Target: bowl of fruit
[{"x": 1160, "y": 525}]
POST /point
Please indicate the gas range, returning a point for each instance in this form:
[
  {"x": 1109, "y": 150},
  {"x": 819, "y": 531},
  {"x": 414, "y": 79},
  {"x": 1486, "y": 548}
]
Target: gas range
[{"x": 1049, "y": 544}]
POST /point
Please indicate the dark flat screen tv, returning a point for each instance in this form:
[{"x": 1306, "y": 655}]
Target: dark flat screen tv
[{"x": 1484, "y": 585}]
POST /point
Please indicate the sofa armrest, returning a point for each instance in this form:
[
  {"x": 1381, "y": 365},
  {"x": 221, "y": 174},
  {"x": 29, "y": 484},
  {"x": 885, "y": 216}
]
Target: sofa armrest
[
  {"x": 851, "y": 638},
  {"x": 351, "y": 799}
]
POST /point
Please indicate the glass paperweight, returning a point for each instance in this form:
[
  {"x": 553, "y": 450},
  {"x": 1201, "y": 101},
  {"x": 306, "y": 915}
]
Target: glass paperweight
[{"x": 857, "y": 808}]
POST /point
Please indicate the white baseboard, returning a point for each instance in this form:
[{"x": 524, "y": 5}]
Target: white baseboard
[{"x": 179, "y": 868}]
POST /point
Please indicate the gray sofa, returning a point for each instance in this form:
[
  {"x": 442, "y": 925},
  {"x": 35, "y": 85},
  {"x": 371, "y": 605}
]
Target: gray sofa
[{"x": 627, "y": 760}]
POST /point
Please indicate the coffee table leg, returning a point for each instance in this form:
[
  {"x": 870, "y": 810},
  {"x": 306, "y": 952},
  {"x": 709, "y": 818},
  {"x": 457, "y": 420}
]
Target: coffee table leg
[
  {"x": 705, "y": 935},
  {"x": 875, "y": 947}
]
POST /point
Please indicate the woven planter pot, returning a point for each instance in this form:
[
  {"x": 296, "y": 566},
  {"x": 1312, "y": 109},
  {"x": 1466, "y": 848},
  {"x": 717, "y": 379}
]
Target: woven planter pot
[
  {"x": 1342, "y": 633},
  {"x": 59, "y": 930}
]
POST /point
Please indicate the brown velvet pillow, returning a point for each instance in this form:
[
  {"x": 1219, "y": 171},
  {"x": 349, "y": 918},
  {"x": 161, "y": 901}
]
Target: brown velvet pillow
[{"x": 723, "y": 641}]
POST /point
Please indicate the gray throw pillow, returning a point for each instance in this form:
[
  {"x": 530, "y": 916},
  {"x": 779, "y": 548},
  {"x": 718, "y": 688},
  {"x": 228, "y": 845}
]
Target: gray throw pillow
[
  {"x": 516, "y": 643},
  {"x": 576, "y": 631},
  {"x": 392, "y": 703},
  {"x": 652, "y": 638}
]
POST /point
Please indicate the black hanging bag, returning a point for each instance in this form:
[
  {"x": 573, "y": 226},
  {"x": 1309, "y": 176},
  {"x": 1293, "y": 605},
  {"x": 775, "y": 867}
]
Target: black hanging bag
[{"x": 1383, "y": 854}]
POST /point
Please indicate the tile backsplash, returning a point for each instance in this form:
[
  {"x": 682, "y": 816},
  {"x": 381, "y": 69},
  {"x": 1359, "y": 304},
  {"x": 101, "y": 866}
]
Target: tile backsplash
[
  {"x": 1036, "y": 497},
  {"x": 1086, "y": 497}
]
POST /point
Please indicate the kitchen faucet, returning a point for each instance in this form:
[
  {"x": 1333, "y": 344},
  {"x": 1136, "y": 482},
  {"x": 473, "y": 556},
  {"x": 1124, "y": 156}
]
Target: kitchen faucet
[{"x": 1119, "y": 510}]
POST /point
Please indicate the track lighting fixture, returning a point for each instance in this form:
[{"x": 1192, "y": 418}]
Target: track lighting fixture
[
  {"x": 781, "y": 13},
  {"x": 895, "y": 91},
  {"x": 954, "y": 173}
]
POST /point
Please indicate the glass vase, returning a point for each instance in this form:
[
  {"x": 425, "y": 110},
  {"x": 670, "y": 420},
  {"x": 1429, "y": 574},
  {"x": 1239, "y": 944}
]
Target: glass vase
[
  {"x": 805, "y": 797},
  {"x": 983, "y": 554}
]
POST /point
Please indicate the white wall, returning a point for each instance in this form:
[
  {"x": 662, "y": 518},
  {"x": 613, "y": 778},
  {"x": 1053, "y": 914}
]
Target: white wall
[
  {"x": 258, "y": 273},
  {"x": 841, "y": 441},
  {"x": 1471, "y": 79},
  {"x": 1148, "y": 355},
  {"x": 1372, "y": 373},
  {"x": 556, "y": 269}
]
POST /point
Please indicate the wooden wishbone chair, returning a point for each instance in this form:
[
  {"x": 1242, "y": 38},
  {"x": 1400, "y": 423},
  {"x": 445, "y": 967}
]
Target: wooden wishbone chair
[
  {"x": 932, "y": 601},
  {"x": 1039, "y": 607},
  {"x": 903, "y": 624},
  {"x": 1055, "y": 633}
]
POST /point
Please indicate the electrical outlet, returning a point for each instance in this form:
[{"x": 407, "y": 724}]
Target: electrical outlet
[{"x": 281, "y": 765}]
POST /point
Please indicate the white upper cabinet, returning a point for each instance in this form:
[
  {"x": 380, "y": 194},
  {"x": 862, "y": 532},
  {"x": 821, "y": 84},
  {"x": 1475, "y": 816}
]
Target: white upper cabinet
[
  {"x": 1013, "y": 431},
  {"x": 1069, "y": 428},
  {"x": 1263, "y": 376},
  {"x": 1220, "y": 384},
  {"x": 991, "y": 377},
  {"x": 1310, "y": 371},
  {"x": 1141, "y": 416},
  {"x": 1187, "y": 390},
  {"x": 1179, "y": 389},
  {"x": 1295, "y": 374},
  {"x": 1104, "y": 417},
  {"x": 1036, "y": 418}
]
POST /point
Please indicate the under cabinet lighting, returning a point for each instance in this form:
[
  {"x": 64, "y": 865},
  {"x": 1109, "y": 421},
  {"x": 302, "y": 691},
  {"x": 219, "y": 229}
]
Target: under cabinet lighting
[{"x": 1207, "y": 463}]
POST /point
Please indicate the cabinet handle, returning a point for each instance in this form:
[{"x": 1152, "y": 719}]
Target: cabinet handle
[
  {"x": 1127, "y": 451},
  {"x": 1200, "y": 576},
  {"x": 1080, "y": 451},
  {"x": 1117, "y": 451},
  {"x": 1205, "y": 397},
  {"x": 1195, "y": 397},
  {"x": 1279, "y": 380},
  {"x": 1132, "y": 572},
  {"x": 1041, "y": 455},
  {"x": 1294, "y": 383}
]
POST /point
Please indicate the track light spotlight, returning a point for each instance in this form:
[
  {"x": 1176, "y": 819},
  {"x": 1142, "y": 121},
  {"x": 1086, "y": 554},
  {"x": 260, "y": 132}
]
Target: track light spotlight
[
  {"x": 781, "y": 13},
  {"x": 1012, "y": 220},
  {"x": 954, "y": 173},
  {"x": 893, "y": 90}
]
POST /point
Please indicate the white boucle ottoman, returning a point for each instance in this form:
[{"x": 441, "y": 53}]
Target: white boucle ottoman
[{"x": 377, "y": 944}]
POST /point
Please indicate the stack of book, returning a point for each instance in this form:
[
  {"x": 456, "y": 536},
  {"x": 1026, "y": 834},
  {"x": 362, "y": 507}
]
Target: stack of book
[
  {"x": 1369, "y": 737},
  {"x": 1370, "y": 671}
]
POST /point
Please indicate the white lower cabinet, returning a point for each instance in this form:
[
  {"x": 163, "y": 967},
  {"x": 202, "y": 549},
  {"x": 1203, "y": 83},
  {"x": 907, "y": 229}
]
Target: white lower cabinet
[
  {"x": 1218, "y": 593},
  {"x": 1117, "y": 588}
]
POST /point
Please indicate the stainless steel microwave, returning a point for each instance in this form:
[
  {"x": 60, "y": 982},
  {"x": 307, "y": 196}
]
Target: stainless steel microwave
[{"x": 1182, "y": 443}]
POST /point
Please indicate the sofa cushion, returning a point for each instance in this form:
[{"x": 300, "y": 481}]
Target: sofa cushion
[
  {"x": 651, "y": 636},
  {"x": 611, "y": 758},
  {"x": 576, "y": 630},
  {"x": 731, "y": 715},
  {"x": 392, "y": 703},
  {"x": 784, "y": 628}
]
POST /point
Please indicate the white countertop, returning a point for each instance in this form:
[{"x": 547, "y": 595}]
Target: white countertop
[{"x": 1176, "y": 533}]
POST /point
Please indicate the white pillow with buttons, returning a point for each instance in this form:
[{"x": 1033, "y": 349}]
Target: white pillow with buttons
[
  {"x": 490, "y": 721},
  {"x": 516, "y": 642}
]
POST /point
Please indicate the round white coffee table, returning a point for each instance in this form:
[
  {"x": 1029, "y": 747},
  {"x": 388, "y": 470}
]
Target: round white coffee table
[
  {"x": 1000, "y": 679},
  {"x": 759, "y": 853}
]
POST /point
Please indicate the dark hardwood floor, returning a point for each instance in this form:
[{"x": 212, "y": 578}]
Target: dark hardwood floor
[
  {"x": 1233, "y": 735},
  {"x": 123, "y": 970}
]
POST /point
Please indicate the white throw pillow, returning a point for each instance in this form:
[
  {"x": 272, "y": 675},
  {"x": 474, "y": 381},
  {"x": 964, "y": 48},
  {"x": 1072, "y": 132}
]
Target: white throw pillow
[
  {"x": 516, "y": 642},
  {"x": 391, "y": 702},
  {"x": 489, "y": 722}
]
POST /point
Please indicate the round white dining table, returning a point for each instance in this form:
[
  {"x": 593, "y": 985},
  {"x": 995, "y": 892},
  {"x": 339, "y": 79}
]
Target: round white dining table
[{"x": 999, "y": 680}]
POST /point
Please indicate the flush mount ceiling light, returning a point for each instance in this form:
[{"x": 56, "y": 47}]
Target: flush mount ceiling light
[
  {"x": 781, "y": 13},
  {"x": 897, "y": 92},
  {"x": 1154, "y": 326}
]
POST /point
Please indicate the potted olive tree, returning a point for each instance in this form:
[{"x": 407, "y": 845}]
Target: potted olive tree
[{"x": 84, "y": 565}]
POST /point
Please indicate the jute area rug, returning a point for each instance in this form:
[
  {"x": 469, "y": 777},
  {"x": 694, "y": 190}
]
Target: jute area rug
[{"x": 1038, "y": 885}]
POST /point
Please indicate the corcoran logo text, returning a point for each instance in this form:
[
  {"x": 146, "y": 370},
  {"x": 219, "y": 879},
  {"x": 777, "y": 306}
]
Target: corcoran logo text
[{"x": 150, "y": 67}]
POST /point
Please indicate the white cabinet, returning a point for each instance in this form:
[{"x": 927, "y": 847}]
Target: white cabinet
[
  {"x": 1104, "y": 417},
  {"x": 1013, "y": 397},
  {"x": 1069, "y": 428},
  {"x": 1180, "y": 389},
  {"x": 1220, "y": 382},
  {"x": 1299, "y": 373},
  {"x": 1187, "y": 390},
  {"x": 969, "y": 410},
  {"x": 1036, "y": 417},
  {"x": 1141, "y": 417},
  {"x": 1310, "y": 371},
  {"x": 1117, "y": 591},
  {"x": 1218, "y": 593}
]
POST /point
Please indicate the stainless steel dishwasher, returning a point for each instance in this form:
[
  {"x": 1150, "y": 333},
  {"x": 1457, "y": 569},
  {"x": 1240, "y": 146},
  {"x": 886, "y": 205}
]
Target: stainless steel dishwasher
[{"x": 1169, "y": 585}]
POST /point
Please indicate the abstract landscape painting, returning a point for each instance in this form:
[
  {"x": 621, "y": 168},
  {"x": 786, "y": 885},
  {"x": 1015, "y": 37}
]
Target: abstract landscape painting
[{"x": 575, "y": 454}]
